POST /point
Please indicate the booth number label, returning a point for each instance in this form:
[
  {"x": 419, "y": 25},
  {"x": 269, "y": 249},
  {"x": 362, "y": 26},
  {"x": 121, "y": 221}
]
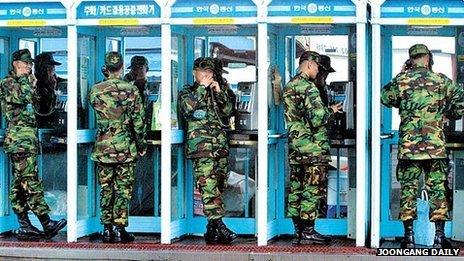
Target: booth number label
[{"x": 25, "y": 22}]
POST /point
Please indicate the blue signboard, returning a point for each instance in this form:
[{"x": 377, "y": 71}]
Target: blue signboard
[
  {"x": 311, "y": 8},
  {"x": 118, "y": 9},
  {"x": 422, "y": 9},
  {"x": 18, "y": 11},
  {"x": 213, "y": 8}
]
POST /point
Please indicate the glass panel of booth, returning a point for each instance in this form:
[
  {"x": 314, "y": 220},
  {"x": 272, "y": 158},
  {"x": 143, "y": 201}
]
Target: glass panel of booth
[{"x": 86, "y": 186}]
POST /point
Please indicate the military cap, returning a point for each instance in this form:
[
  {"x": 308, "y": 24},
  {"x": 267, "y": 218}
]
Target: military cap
[
  {"x": 310, "y": 56},
  {"x": 138, "y": 61},
  {"x": 418, "y": 49},
  {"x": 204, "y": 63},
  {"x": 46, "y": 58},
  {"x": 218, "y": 66},
  {"x": 325, "y": 62},
  {"x": 113, "y": 60},
  {"x": 22, "y": 55}
]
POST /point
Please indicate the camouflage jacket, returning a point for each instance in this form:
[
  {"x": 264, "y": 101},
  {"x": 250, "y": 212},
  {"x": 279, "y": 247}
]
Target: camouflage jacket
[
  {"x": 424, "y": 99},
  {"x": 17, "y": 96},
  {"x": 205, "y": 135},
  {"x": 120, "y": 121},
  {"x": 306, "y": 117}
]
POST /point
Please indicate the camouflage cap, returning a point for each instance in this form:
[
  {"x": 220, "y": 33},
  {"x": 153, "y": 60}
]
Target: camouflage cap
[
  {"x": 218, "y": 66},
  {"x": 418, "y": 49},
  {"x": 325, "y": 62},
  {"x": 204, "y": 63},
  {"x": 46, "y": 58},
  {"x": 138, "y": 61},
  {"x": 22, "y": 55},
  {"x": 310, "y": 56},
  {"x": 113, "y": 60}
]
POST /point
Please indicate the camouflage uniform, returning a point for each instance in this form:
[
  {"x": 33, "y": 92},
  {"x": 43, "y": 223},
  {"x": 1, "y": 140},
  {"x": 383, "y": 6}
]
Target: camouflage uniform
[
  {"x": 309, "y": 149},
  {"x": 120, "y": 136},
  {"x": 21, "y": 141},
  {"x": 207, "y": 142},
  {"x": 424, "y": 99}
]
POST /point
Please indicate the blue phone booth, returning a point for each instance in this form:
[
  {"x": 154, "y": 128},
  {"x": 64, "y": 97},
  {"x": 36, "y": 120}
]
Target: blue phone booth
[
  {"x": 226, "y": 30},
  {"x": 397, "y": 25},
  {"x": 131, "y": 28},
  {"x": 39, "y": 26},
  {"x": 337, "y": 29}
]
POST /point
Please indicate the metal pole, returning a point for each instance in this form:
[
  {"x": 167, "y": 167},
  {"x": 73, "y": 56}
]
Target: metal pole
[{"x": 72, "y": 126}]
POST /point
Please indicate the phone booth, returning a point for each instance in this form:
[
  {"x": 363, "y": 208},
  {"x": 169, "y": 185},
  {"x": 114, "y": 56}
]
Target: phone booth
[
  {"x": 39, "y": 26},
  {"x": 338, "y": 30},
  {"x": 396, "y": 26},
  {"x": 226, "y": 31},
  {"x": 131, "y": 28}
]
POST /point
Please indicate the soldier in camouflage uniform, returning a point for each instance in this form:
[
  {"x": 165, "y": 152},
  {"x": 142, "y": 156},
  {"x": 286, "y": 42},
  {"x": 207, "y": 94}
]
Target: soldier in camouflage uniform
[
  {"x": 17, "y": 92},
  {"x": 425, "y": 100},
  {"x": 309, "y": 150},
  {"x": 202, "y": 107},
  {"x": 120, "y": 140}
]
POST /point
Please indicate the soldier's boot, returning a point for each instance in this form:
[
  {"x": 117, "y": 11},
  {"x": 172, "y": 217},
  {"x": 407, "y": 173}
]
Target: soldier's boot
[
  {"x": 309, "y": 235},
  {"x": 108, "y": 233},
  {"x": 26, "y": 230},
  {"x": 226, "y": 235},
  {"x": 408, "y": 239},
  {"x": 212, "y": 233},
  {"x": 298, "y": 223},
  {"x": 440, "y": 240},
  {"x": 122, "y": 236},
  {"x": 51, "y": 227}
]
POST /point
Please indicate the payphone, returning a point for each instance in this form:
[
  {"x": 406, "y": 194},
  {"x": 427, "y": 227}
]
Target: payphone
[{"x": 246, "y": 117}]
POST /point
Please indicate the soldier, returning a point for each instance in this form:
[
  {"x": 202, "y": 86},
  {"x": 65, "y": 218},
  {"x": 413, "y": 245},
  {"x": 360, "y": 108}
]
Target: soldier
[
  {"x": 321, "y": 85},
  {"x": 202, "y": 106},
  {"x": 425, "y": 100},
  {"x": 309, "y": 150},
  {"x": 18, "y": 90},
  {"x": 120, "y": 140},
  {"x": 138, "y": 74},
  {"x": 47, "y": 81}
]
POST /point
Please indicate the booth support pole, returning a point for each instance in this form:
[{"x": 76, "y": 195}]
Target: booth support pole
[
  {"x": 376, "y": 121},
  {"x": 262, "y": 186},
  {"x": 165, "y": 118},
  {"x": 71, "y": 134}
]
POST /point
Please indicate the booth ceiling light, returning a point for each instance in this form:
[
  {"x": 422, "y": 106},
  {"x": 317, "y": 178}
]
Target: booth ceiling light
[
  {"x": 316, "y": 26},
  {"x": 223, "y": 27},
  {"x": 427, "y": 26}
]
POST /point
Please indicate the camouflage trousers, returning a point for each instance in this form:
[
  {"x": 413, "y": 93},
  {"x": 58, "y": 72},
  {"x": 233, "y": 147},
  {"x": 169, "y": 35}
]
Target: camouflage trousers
[
  {"x": 210, "y": 176},
  {"x": 27, "y": 191},
  {"x": 435, "y": 171},
  {"x": 308, "y": 188},
  {"x": 116, "y": 181}
]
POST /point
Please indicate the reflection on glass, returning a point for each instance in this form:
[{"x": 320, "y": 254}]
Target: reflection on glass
[
  {"x": 86, "y": 50},
  {"x": 60, "y": 53},
  {"x": 178, "y": 210},
  {"x": 86, "y": 183}
]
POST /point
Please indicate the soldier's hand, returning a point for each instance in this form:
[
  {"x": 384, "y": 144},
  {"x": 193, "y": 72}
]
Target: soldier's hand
[
  {"x": 336, "y": 108},
  {"x": 206, "y": 81},
  {"x": 32, "y": 80},
  {"x": 142, "y": 153},
  {"x": 215, "y": 86}
]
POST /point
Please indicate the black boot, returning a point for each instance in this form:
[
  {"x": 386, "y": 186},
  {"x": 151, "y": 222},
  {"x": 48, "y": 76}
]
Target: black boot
[
  {"x": 51, "y": 227},
  {"x": 226, "y": 236},
  {"x": 310, "y": 236},
  {"x": 212, "y": 233},
  {"x": 108, "y": 233},
  {"x": 408, "y": 239},
  {"x": 298, "y": 223},
  {"x": 122, "y": 236},
  {"x": 26, "y": 230},
  {"x": 440, "y": 240}
]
